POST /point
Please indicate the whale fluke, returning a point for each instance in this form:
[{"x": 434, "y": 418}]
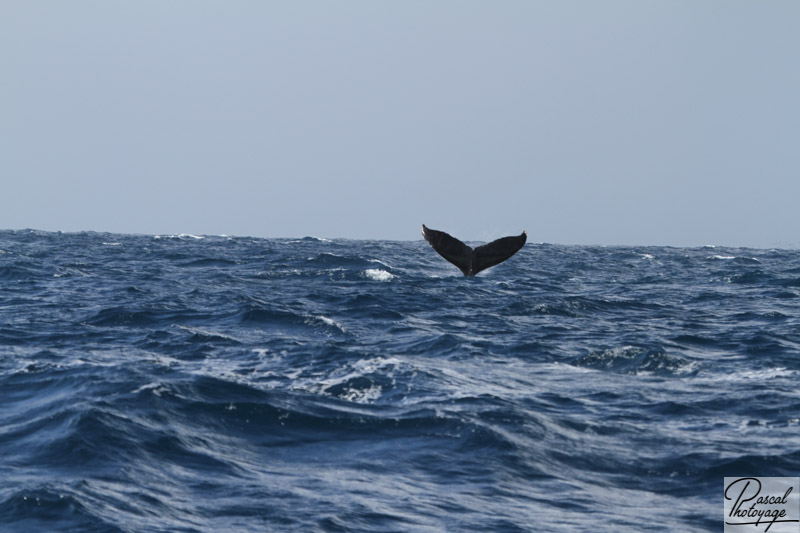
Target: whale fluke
[{"x": 470, "y": 261}]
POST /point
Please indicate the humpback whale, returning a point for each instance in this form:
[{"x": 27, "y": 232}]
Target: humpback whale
[{"x": 471, "y": 261}]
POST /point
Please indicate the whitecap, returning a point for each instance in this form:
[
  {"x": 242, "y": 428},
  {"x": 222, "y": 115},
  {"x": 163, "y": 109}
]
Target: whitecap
[
  {"x": 329, "y": 322},
  {"x": 378, "y": 274},
  {"x": 368, "y": 395},
  {"x": 342, "y": 376}
]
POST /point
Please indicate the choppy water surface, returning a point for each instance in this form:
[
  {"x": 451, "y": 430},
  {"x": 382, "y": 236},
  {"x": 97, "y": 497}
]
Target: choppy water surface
[{"x": 177, "y": 383}]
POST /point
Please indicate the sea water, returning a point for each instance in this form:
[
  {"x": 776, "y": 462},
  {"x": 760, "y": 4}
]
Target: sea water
[{"x": 201, "y": 384}]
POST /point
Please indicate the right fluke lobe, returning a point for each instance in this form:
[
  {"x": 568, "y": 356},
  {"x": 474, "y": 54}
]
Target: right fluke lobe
[{"x": 471, "y": 261}]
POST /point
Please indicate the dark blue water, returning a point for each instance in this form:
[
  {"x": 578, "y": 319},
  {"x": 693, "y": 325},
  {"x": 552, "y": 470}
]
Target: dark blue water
[{"x": 238, "y": 384}]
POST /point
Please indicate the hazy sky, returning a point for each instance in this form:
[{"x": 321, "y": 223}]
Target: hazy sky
[{"x": 586, "y": 122}]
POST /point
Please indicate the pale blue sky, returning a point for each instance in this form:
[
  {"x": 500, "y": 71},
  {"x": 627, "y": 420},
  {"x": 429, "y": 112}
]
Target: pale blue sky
[{"x": 613, "y": 122}]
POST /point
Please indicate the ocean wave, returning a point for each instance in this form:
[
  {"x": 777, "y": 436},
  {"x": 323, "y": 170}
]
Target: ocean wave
[
  {"x": 180, "y": 237},
  {"x": 132, "y": 317},
  {"x": 331, "y": 260},
  {"x": 18, "y": 273},
  {"x": 636, "y": 360},
  {"x": 208, "y": 262}
]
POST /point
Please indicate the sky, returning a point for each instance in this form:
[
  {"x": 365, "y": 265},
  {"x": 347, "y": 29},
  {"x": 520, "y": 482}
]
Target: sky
[{"x": 614, "y": 123}]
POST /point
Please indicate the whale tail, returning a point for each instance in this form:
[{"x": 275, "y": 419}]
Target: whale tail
[{"x": 471, "y": 261}]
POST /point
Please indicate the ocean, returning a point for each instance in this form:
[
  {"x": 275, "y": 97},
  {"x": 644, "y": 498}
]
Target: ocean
[{"x": 183, "y": 383}]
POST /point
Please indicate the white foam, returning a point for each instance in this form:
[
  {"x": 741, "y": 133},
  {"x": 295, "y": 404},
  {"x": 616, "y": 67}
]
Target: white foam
[
  {"x": 331, "y": 322},
  {"x": 363, "y": 396},
  {"x": 722, "y": 257},
  {"x": 352, "y": 371},
  {"x": 378, "y": 274}
]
